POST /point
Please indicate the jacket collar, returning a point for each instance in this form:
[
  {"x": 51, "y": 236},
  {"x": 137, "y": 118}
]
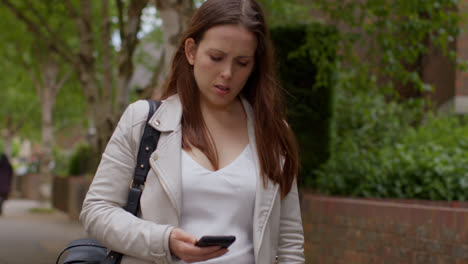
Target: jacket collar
[
  {"x": 169, "y": 122},
  {"x": 165, "y": 122}
]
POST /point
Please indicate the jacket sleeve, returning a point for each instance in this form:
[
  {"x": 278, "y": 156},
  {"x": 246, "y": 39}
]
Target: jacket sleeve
[
  {"x": 103, "y": 215},
  {"x": 291, "y": 237}
]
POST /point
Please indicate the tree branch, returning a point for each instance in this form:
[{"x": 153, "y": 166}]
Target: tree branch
[
  {"x": 106, "y": 50},
  {"x": 53, "y": 45},
  {"x": 62, "y": 81},
  {"x": 42, "y": 21},
  {"x": 121, "y": 18},
  {"x": 15, "y": 128},
  {"x": 35, "y": 77},
  {"x": 133, "y": 24},
  {"x": 85, "y": 34},
  {"x": 36, "y": 80},
  {"x": 149, "y": 90},
  {"x": 71, "y": 9},
  {"x": 129, "y": 41}
]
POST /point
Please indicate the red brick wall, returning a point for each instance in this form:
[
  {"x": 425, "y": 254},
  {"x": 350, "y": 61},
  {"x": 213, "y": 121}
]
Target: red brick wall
[{"x": 344, "y": 230}]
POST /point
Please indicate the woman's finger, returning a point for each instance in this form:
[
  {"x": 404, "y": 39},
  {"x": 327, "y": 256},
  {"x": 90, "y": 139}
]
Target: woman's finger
[
  {"x": 211, "y": 255},
  {"x": 182, "y": 245},
  {"x": 179, "y": 234}
]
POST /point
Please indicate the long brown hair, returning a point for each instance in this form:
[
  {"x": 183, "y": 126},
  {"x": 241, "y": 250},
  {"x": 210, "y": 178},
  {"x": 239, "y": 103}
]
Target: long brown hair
[{"x": 276, "y": 145}]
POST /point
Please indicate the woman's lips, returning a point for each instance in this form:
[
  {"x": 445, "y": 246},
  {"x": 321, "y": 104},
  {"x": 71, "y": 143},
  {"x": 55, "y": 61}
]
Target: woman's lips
[{"x": 222, "y": 90}]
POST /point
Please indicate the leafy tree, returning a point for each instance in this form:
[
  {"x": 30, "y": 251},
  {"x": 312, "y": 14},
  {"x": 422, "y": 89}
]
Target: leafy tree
[
  {"x": 19, "y": 106},
  {"x": 90, "y": 52},
  {"x": 103, "y": 69},
  {"x": 286, "y": 12},
  {"x": 394, "y": 36},
  {"x": 175, "y": 16},
  {"x": 47, "y": 74}
]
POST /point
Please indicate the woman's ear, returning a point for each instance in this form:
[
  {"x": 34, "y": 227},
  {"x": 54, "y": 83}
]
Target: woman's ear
[{"x": 190, "y": 50}]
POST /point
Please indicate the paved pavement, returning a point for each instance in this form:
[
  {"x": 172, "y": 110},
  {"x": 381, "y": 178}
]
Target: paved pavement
[{"x": 34, "y": 237}]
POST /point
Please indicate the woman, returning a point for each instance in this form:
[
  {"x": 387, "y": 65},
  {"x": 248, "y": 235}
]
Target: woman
[{"x": 226, "y": 161}]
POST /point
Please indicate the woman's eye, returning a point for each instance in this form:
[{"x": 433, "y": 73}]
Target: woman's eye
[
  {"x": 215, "y": 58},
  {"x": 243, "y": 64}
]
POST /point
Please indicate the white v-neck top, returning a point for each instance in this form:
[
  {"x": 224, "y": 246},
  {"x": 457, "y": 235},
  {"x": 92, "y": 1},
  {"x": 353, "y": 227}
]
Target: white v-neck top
[{"x": 221, "y": 203}]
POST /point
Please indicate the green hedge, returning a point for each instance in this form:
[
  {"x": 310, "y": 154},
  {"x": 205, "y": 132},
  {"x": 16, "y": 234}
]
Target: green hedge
[
  {"x": 306, "y": 57},
  {"x": 394, "y": 150},
  {"x": 83, "y": 161}
]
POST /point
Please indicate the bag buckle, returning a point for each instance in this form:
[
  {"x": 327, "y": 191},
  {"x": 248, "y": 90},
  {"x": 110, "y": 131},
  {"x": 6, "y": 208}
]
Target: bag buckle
[{"x": 137, "y": 186}]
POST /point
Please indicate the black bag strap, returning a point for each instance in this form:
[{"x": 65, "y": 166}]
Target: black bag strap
[{"x": 148, "y": 144}]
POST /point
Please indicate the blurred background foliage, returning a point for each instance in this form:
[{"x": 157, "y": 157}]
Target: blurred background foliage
[
  {"x": 307, "y": 58},
  {"x": 374, "y": 142},
  {"x": 340, "y": 63}
]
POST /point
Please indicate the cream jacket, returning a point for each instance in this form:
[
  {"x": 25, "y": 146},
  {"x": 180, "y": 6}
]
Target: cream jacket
[{"x": 277, "y": 227}]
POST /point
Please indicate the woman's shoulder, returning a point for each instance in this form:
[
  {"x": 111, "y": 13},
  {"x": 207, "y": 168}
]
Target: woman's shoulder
[{"x": 136, "y": 112}]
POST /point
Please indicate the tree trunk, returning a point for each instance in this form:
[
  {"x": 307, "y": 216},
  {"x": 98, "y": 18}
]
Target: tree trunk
[
  {"x": 107, "y": 59},
  {"x": 128, "y": 35},
  {"x": 99, "y": 110},
  {"x": 99, "y": 107},
  {"x": 47, "y": 128},
  {"x": 103, "y": 115},
  {"x": 48, "y": 85},
  {"x": 175, "y": 16}
]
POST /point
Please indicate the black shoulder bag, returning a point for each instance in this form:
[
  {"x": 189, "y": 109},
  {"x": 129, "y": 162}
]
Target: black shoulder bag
[{"x": 90, "y": 251}]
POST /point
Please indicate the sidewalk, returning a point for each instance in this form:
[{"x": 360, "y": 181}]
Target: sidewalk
[{"x": 34, "y": 237}]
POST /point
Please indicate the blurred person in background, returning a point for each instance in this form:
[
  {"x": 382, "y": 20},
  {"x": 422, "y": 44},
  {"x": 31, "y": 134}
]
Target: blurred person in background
[{"x": 6, "y": 173}]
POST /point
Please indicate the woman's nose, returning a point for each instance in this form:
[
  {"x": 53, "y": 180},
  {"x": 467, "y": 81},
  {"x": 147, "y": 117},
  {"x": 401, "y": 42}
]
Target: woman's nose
[{"x": 226, "y": 72}]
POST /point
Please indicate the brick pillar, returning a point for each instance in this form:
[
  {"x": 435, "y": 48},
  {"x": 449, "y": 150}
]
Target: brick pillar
[{"x": 461, "y": 81}]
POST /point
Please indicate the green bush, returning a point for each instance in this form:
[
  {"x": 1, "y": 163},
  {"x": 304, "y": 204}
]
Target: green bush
[
  {"x": 61, "y": 166},
  {"x": 306, "y": 57},
  {"x": 386, "y": 149},
  {"x": 82, "y": 161}
]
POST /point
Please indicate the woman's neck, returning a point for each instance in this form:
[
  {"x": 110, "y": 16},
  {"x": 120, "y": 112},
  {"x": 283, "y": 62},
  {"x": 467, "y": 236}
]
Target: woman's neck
[{"x": 222, "y": 114}]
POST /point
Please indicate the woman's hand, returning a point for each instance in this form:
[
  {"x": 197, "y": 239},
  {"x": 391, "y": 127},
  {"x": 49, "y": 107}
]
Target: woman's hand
[{"x": 182, "y": 245}]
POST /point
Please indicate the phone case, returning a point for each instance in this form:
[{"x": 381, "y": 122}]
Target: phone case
[{"x": 208, "y": 241}]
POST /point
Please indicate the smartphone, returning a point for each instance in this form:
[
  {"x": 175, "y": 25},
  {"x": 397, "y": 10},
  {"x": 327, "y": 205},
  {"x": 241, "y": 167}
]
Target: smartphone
[{"x": 208, "y": 241}]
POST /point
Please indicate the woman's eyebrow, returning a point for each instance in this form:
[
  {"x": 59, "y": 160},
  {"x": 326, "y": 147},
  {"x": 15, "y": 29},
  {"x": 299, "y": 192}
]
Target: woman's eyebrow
[
  {"x": 220, "y": 51},
  {"x": 244, "y": 57},
  {"x": 217, "y": 50}
]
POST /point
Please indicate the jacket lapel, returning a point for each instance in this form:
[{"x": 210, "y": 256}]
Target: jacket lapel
[
  {"x": 165, "y": 160},
  {"x": 166, "y": 164},
  {"x": 264, "y": 196},
  {"x": 264, "y": 200}
]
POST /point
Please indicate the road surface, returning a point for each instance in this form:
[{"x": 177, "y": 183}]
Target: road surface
[{"x": 34, "y": 237}]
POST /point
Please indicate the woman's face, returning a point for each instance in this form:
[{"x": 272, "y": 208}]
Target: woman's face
[{"x": 222, "y": 62}]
